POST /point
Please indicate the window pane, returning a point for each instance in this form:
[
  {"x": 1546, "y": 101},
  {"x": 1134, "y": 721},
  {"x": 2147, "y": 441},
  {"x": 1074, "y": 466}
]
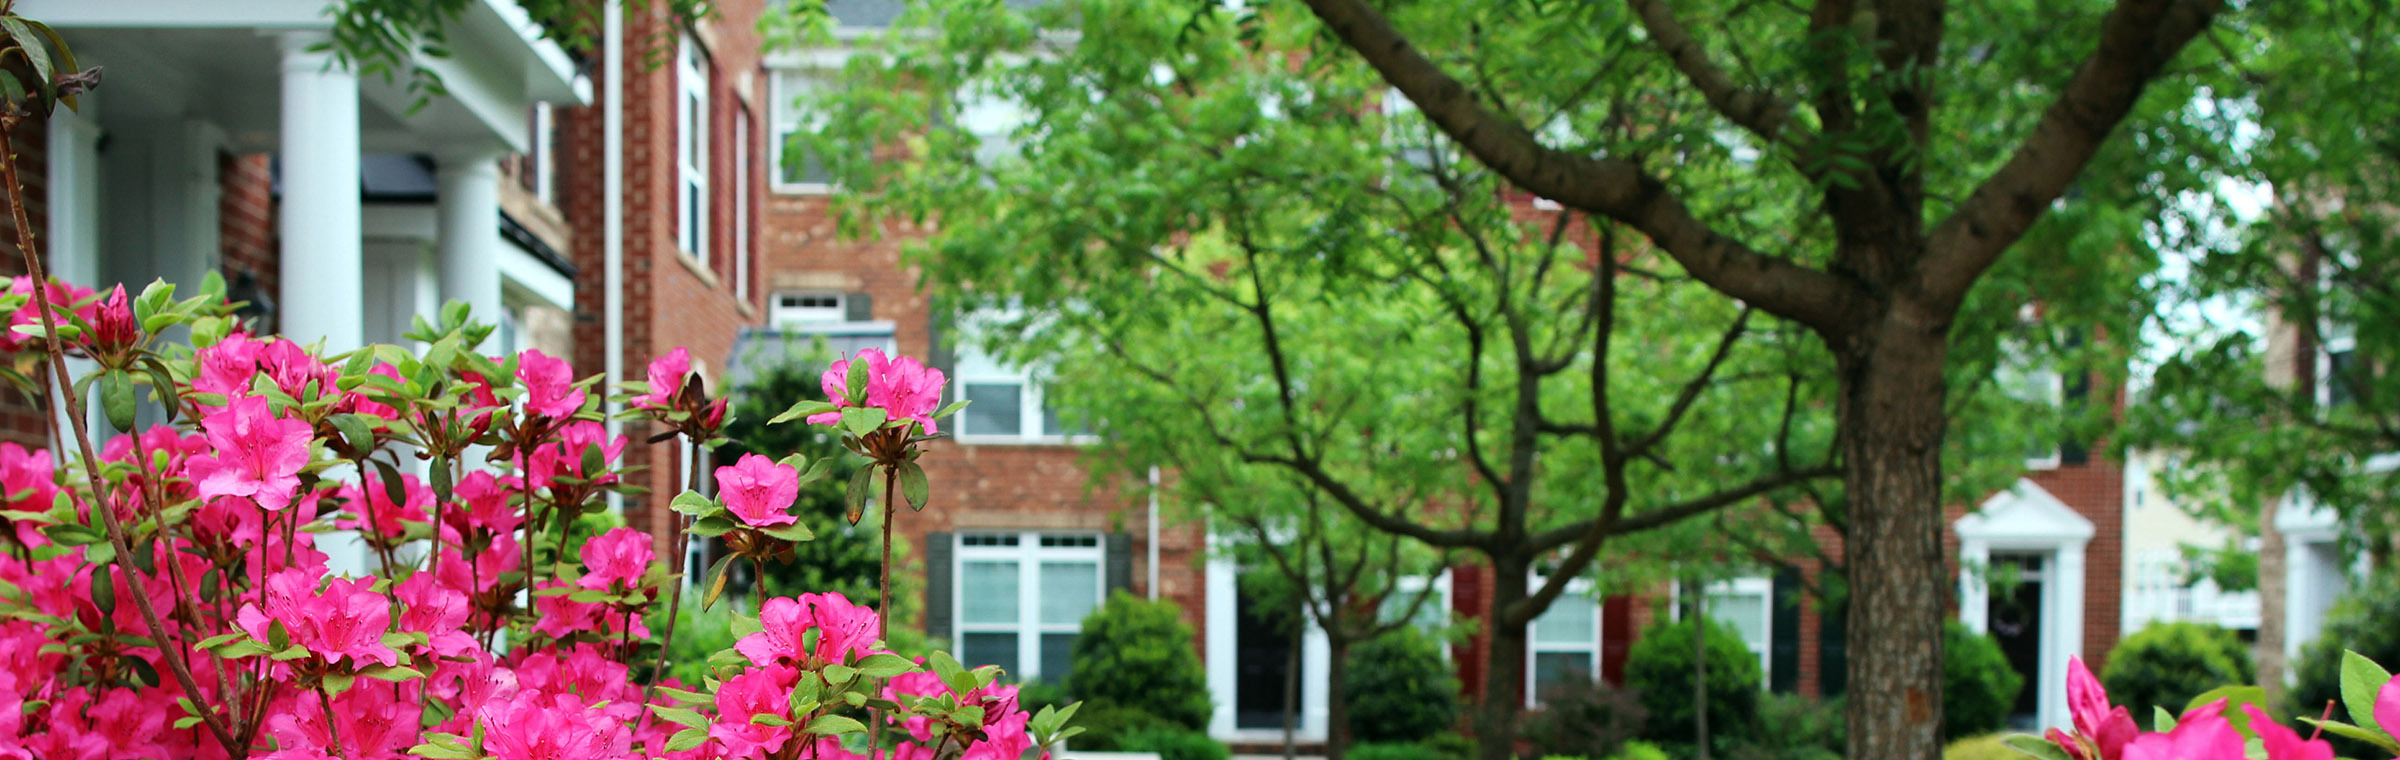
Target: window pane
[
  {"x": 1746, "y": 614},
  {"x": 994, "y": 409},
  {"x": 976, "y": 650},
  {"x": 1069, "y": 591},
  {"x": 1572, "y": 619},
  {"x": 1552, "y": 669},
  {"x": 987, "y": 592},
  {"x": 1058, "y": 650}
]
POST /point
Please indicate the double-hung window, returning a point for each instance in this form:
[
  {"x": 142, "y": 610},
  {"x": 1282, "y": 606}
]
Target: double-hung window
[
  {"x": 1564, "y": 643},
  {"x": 691, "y": 148},
  {"x": 797, "y": 169},
  {"x": 1747, "y": 605},
  {"x": 1022, "y": 596},
  {"x": 1008, "y": 403}
]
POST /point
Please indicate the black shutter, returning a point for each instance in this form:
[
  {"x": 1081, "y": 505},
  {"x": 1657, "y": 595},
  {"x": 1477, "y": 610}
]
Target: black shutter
[
  {"x": 1784, "y": 641},
  {"x": 942, "y": 355},
  {"x": 1120, "y": 562},
  {"x": 2072, "y": 449},
  {"x": 938, "y": 548},
  {"x": 858, "y": 307}
]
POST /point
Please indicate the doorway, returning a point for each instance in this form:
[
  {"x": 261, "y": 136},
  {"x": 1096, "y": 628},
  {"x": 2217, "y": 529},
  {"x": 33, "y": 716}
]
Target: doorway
[
  {"x": 2015, "y": 615},
  {"x": 1263, "y": 646}
]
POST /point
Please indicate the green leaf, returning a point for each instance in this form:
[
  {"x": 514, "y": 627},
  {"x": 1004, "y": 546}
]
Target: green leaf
[
  {"x": 863, "y": 420},
  {"x": 2362, "y": 679},
  {"x": 712, "y": 526},
  {"x": 680, "y": 716},
  {"x": 857, "y": 377},
  {"x": 104, "y": 590},
  {"x": 117, "y": 399},
  {"x": 884, "y": 665},
  {"x": 862, "y": 484},
  {"x": 692, "y": 503},
  {"x": 2160, "y": 720},
  {"x": 687, "y": 739},
  {"x": 951, "y": 409},
  {"x": 2346, "y": 730},
  {"x": 839, "y": 673},
  {"x": 395, "y": 673},
  {"x": 36, "y": 51},
  {"x": 394, "y": 488},
  {"x": 801, "y": 410},
  {"x": 951, "y": 673},
  {"x": 2235, "y": 697},
  {"x": 339, "y": 682},
  {"x": 2035, "y": 746},
  {"x": 793, "y": 532},
  {"x": 716, "y": 582},
  {"x": 913, "y": 486},
  {"x": 834, "y": 725}
]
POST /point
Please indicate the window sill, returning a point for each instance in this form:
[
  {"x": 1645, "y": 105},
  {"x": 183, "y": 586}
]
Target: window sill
[
  {"x": 801, "y": 188},
  {"x": 690, "y": 262}
]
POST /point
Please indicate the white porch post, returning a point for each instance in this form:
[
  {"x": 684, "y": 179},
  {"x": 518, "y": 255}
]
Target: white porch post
[
  {"x": 1975, "y": 585},
  {"x": 323, "y": 268},
  {"x": 468, "y": 242},
  {"x": 2064, "y": 627}
]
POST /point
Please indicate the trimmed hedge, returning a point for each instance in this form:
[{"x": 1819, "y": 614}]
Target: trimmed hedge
[
  {"x": 1138, "y": 654},
  {"x": 1979, "y": 688},
  {"x": 2166, "y": 664},
  {"x": 1400, "y": 689},
  {"x": 1659, "y": 669}
]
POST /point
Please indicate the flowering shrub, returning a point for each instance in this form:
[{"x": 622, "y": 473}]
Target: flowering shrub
[
  {"x": 2212, "y": 729},
  {"x": 166, "y": 592}
]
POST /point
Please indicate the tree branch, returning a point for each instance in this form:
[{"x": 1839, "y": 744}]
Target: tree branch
[
  {"x": 1611, "y": 187},
  {"x": 2136, "y": 40},
  {"x": 1762, "y": 113}
]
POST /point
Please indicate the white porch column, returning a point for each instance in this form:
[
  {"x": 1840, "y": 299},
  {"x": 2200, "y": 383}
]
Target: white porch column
[
  {"x": 1975, "y": 585},
  {"x": 468, "y": 242},
  {"x": 323, "y": 270},
  {"x": 2063, "y": 626}
]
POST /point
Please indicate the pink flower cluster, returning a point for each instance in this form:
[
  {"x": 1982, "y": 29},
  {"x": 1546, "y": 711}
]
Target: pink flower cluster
[
  {"x": 2107, "y": 732},
  {"x": 902, "y": 387},
  {"x": 225, "y": 603}
]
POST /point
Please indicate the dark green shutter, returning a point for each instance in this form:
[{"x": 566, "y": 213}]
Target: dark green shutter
[
  {"x": 1119, "y": 562},
  {"x": 938, "y": 549},
  {"x": 1833, "y": 662},
  {"x": 1784, "y": 644}
]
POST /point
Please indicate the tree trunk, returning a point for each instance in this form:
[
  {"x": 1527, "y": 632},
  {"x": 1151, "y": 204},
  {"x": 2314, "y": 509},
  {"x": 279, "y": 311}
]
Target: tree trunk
[
  {"x": 1337, "y": 705},
  {"x": 2269, "y": 648},
  {"x": 1892, "y": 421},
  {"x": 1503, "y": 668}
]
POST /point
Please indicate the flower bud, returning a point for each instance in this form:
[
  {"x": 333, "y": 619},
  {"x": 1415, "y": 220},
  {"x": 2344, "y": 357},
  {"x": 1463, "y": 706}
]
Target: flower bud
[{"x": 114, "y": 327}]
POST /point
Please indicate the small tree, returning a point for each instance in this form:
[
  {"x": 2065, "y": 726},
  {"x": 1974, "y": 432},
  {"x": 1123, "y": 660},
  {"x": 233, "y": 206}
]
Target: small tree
[{"x": 1139, "y": 654}]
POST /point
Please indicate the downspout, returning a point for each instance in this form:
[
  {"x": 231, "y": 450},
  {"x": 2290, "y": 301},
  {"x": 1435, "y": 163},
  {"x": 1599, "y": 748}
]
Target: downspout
[
  {"x": 1153, "y": 548},
  {"x": 612, "y": 215}
]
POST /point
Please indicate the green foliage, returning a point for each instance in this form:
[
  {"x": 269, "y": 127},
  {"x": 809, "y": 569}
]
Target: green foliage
[
  {"x": 1639, "y": 750},
  {"x": 1451, "y": 745},
  {"x": 1985, "y": 747},
  {"x": 1173, "y": 743},
  {"x": 1139, "y": 654},
  {"x": 698, "y": 634},
  {"x": 1375, "y": 750},
  {"x": 2165, "y": 664},
  {"x": 1585, "y": 716},
  {"x": 1037, "y": 694},
  {"x": 1979, "y": 687},
  {"x": 1106, "y": 725},
  {"x": 1659, "y": 668},
  {"x": 2362, "y": 621},
  {"x": 386, "y": 37},
  {"x": 1794, "y": 728},
  {"x": 844, "y": 558},
  {"x": 1400, "y": 689}
]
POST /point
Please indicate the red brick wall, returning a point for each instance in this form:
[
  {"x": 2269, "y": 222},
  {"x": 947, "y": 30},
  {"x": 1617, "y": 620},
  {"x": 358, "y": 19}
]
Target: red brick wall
[
  {"x": 21, "y": 419},
  {"x": 671, "y": 299},
  {"x": 246, "y": 220}
]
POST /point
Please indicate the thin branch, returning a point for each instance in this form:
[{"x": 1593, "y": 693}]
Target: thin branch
[
  {"x": 1762, "y": 113},
  {"x": 1691, "y": 390}
]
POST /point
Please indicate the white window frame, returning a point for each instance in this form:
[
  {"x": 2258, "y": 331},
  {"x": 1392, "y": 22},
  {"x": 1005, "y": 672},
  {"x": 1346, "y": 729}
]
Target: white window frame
[
  {"x": 1580, "y": 588},
  {"x": 1028, "y": 554},
  {"x": 691, "y": 144},
  {"x": 975, "y": 367},
  {"x": 1405, "y": 589},
  {"x": 776, "y": 311},
  {"x": 1764, "y": 587},
  {"x": 784, "y": 119},
  {"x": 741, "y": 205}
]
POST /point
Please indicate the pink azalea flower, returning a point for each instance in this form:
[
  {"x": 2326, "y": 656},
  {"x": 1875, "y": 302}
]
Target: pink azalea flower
[
  {"x": 132, "y": 724},
  {"x": 2101, "y": 729},
  {"x": 666, "y": 379},
  {"x": 902, "y": 387},
  {"x": 485, "y": 505},
  {"x": 2203, "y": 733},
  {"x": 549, "y": 385},
  {"x": 758, "y": 691},
  {"x": 438, "y": 611},
  {"x": 347, "y": 619},
  {"x": 114, "y": 328},
  {"x": 2387, "y": 707},
  {"x": 369, "y": 722},
  {"x": 844, "y": 630},
  {"x": 1004, "y": 738},
  {"x": 296, "y": 371},
  {"x": 562, "y": 617},
  {"x": 62, "y": 296},
  {"x": 228, "y": 367},
  {"x": 254, "y": 454},
  {"x": 2281, "y": 742},
  {"x": 565, "y": 458},
  {"x": 622, "y": 554},
  {"x": 551, "y": 727},
  {"x": 759, "y": 491}
]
